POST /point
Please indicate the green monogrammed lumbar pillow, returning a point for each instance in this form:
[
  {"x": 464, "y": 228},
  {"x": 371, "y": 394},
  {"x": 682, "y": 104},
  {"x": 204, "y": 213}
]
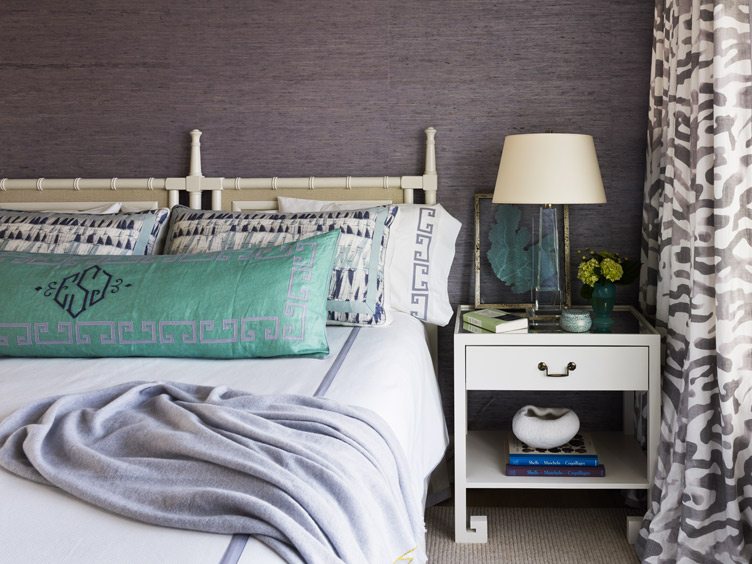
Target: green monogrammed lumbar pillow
[{"x": 257, "y": 302}]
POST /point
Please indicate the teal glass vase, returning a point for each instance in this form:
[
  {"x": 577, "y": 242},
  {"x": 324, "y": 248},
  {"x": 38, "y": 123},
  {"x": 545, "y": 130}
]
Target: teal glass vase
[{"x": 603, "y": 300}]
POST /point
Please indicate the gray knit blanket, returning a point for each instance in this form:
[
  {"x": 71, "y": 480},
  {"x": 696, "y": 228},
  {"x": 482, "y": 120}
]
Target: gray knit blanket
[{"x": 314, "y": 480}]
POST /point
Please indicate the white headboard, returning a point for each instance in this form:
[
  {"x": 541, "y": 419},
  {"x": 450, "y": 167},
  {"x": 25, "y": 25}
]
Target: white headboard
[
  {"x": 227, "y": 193},
  {"x": 260, "y": 193}
]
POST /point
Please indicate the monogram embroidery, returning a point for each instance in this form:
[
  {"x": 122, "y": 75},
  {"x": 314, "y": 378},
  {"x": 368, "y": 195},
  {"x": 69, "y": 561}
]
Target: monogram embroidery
[{"x": 83, "y": 290}]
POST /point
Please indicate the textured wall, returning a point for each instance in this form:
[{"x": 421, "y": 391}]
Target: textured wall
[{"x": 341, "y": 87}]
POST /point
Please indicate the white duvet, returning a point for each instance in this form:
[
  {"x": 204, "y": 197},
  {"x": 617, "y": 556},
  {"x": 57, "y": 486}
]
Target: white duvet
[{"x": 387, "y": 370}]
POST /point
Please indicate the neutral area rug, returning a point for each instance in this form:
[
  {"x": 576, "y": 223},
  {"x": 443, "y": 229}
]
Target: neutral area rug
[{"x": 534, "y": 535}]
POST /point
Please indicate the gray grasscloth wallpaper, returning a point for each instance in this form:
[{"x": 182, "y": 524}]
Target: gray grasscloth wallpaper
[{"x": 284, "y": 87}]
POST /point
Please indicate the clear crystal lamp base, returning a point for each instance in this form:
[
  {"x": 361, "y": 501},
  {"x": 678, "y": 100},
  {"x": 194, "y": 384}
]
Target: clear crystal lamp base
[{"x": 547, "y": 296}]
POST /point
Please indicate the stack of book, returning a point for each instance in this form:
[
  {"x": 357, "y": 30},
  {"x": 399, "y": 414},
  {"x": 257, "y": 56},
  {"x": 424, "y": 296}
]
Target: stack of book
[
  {"x": 494, "y": 321},
  {"x": 578, "y": 458}
]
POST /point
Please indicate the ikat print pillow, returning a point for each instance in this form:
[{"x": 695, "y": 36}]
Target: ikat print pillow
[
  {"x": 356, "y": 289},
  {"x": 256, "y": 302},
  {"x": 419, "y": 257},
  {"x": 138, "y": 233}
]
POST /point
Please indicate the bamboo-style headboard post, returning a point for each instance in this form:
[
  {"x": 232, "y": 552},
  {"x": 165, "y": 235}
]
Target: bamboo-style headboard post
[
  {"x": 429, "y": 181},
  {"x": 193, "y": 180},
  {"x": 430, "y": 177},
  {"x": 195, "y": 183},
  {"x": 195, "y": 169}
]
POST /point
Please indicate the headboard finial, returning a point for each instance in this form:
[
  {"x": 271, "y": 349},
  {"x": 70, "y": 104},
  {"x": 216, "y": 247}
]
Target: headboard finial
[
  {"x": 430, "y": 178},
  {"x": 430, "y": 150},
  {"x": 195, "y": 169}
]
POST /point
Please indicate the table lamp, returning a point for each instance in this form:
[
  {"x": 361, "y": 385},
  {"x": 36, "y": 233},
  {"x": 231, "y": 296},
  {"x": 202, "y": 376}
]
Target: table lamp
[{"x": 548, "y": 169}]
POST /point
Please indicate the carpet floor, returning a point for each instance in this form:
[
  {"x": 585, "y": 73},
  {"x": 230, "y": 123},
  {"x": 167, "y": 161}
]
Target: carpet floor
[{"x": 534, "y": 535}]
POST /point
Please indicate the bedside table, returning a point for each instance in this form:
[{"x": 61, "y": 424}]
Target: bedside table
[{"x": 626, "y": 360}]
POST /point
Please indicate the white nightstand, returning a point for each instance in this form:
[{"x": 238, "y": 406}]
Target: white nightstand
[{"x": 626, "y": 360}]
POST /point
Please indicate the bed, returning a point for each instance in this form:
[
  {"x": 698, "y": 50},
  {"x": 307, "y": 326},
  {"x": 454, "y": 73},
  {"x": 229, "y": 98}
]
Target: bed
[{"x": 389, "y": 370}]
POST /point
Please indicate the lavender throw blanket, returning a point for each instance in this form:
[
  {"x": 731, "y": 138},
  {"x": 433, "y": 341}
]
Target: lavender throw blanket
[{"x": 315, "y": 480}]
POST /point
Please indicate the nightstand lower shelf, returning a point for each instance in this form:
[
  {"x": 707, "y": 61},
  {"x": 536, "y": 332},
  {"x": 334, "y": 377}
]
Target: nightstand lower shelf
[{"x": 622, "y": 457}]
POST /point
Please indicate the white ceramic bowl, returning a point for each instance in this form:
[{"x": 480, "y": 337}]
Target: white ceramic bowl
[{"x": 545, "y": 427}]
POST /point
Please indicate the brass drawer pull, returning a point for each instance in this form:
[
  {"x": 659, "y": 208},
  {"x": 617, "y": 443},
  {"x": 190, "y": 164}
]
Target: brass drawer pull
[{"x": 570, "y": 368}]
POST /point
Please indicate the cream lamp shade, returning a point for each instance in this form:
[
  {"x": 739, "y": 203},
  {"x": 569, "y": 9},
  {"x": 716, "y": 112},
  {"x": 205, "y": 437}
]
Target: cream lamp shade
[{"x": 549, "y": 168}]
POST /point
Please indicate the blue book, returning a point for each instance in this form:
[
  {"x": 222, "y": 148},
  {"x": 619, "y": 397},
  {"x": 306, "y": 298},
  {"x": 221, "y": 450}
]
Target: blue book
[
  {"x": 580, "y": 451},
  {"x": 543, "y": 460}
]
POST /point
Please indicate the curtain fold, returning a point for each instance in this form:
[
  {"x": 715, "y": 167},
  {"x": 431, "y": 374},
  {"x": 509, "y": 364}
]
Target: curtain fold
[{"x": 696, "y": 280}]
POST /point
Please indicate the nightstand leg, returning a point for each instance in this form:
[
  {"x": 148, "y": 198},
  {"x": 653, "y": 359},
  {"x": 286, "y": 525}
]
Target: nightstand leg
[
  {"x": 634, "y": 522},
  {"x": 476, "y": 530}
]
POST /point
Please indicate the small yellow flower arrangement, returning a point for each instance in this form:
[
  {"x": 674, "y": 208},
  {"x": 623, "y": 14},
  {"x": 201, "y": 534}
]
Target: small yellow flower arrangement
[{"x": 604, "y": 265}]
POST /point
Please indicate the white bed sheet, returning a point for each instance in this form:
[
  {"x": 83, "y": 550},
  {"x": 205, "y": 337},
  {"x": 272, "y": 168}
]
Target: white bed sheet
[{"x": 388, "y": 370}]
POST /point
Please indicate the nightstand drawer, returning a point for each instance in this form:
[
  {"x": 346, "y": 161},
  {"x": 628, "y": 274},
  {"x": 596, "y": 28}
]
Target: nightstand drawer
[{"x": 524, "y": 368}]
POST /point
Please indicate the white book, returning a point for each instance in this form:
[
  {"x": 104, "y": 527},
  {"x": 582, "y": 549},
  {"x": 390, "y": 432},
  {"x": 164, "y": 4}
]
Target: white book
[
  {"x": 496, "y": 320},
  {"x": 470, "y": 328}
]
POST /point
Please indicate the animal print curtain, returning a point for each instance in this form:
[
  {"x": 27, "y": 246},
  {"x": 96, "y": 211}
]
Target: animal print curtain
[{"x": 697, "y": 280}]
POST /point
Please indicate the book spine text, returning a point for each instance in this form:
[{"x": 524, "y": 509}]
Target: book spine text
[
  {"x": 552, "y": 460},
  {"x": 567, "y": 471}
]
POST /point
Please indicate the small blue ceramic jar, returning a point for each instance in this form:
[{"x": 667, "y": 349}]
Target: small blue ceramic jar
[{"x": 575, "y": 320}]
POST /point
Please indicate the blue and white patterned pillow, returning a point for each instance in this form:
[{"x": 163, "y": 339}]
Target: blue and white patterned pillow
[
  {"x": 419, "y": 257},
  {"x": 138, "y": 233},
  {"x": 356, "y": 289}
]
